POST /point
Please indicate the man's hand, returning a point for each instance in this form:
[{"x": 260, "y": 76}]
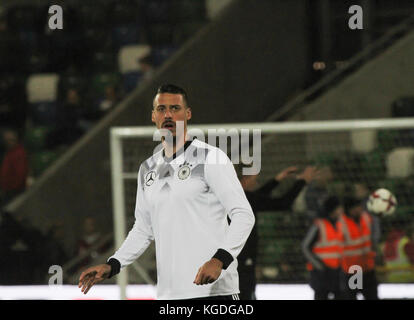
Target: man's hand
[
  {"x": 285, "y": 173},
  {"x": 209, "y": 272},
  {"x": 93, "y": 275},
  {"x": 309, "y": 174}
]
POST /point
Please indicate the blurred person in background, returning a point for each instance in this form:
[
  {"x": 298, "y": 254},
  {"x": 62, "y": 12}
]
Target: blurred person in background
[
  {"x": 90, "y": 237},
  {"x": 110, "y": 99},
  {"x": 69, "y": 121},
  {"x": 322, "y": 248},
  {"x": 261, "y": 200},
  {"x": 14, "y": 168},
  {"x": 317, "y": 191},
  {"x": 56, "y": 252},
  {"x": 361, "y": 192},
  {"x": 398, "y": 255},
  {"x": 356, "y": 229},
  {"x": 147, "y": 67}
]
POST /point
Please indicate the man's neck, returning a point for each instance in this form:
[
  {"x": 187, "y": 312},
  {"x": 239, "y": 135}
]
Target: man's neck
[{"x": 170, "y": 150}]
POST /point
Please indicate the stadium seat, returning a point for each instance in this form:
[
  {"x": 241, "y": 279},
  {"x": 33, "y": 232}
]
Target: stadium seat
[
  {"x": 124, "y": 12},
  {"x": 160, "y": 34},
  {"x": 373, "y": 165},
  {"x": 400, "y": 163},
  {"x": 39, "y": 161},
  {"x": 123, "y": 35},
  {"x": 162, "y": 53},
  {"x": 128, "y": 57},
  {"x": 35, "y": 138},
  {"x": 188, "y": 10},
  {"x": 92, "y": 15},
  {"x": 364, "y": 141},
  {"x": 98, "y": 39},
  {"x": 43, "y": 113},
  {"x": 29, "y": 39},
  {"x": 131, "y": 80},
  {"x": 42, "y": 87},
  {"x": 184, "y": 31},
  {"x": 71, "y": 81},
  {"x": 101, "y": 81},
  {"x": 387, "y": 139},
  {"x": 23, "y": 17},
  {"x": 104, "y": 61},
  {"x": 157, "y": 11}
]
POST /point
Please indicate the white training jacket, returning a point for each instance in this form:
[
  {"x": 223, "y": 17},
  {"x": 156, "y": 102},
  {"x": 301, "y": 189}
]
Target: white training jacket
[{"x": 182, "y": 203}]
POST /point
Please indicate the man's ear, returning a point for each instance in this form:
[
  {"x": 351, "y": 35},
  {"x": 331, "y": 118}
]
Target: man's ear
[
  {"x": 152, "y": 116},
  {"x": 188, "y": 111}
]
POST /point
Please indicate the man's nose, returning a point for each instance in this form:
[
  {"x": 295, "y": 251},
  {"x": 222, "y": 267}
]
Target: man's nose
[{"x": 168, "y": 113}]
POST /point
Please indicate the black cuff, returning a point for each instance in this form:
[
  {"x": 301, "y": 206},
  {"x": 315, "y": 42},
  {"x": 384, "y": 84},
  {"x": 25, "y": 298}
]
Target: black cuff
[
  {"x": 115, "y": 267},
  {"x": 224, "y": 257}
]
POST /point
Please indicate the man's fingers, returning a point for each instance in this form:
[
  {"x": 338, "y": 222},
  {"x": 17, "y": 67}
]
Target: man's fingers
[
  {"x": 83, "y": 275},
  {"x": 208, "y": 279},
  {"x": 86, "y": 273},
  {"x": 90, "y": 285},
  {"x": 211, "y": 280},
  {"x": 202, "y": 278},
  {"x": 87, "y": 282},
  {"x": 84, "y": 282},
  {"x": 82, "y": 279},
  {"x": 197, "y": 278}
]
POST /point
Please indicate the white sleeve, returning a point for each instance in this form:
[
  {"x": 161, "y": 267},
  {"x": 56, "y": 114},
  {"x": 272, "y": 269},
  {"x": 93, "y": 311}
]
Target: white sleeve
[
  {"x": 222, "y": 179},
  {"x": 141, "y": 235}
]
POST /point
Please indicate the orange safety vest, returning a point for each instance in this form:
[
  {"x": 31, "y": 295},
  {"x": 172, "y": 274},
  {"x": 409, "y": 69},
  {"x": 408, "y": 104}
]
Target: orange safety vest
[
  {"x": 357, "y": 247},
  {"x": 328, "y": 248}
]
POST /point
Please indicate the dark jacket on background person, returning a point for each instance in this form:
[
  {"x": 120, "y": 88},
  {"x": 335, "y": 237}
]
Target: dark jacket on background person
[{"x": 261, "y": 200}]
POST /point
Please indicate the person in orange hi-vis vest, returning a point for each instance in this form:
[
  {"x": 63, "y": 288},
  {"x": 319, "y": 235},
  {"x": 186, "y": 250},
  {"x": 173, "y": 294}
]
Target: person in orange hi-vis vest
[
  {"x": 358, "y": 250},
  {"x": 322, "y": 247}
]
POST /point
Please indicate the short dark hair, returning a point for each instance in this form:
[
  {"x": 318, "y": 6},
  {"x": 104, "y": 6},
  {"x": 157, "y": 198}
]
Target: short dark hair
[
  {"x": 351, "y": 202},
  {"x": 146, "y": 59},
  {"x": 172, "y": 88},
  {"x": 329, "y": 205}
]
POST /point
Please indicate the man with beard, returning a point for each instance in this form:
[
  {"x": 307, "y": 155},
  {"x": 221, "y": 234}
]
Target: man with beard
[{"x": 183, "y": 203}]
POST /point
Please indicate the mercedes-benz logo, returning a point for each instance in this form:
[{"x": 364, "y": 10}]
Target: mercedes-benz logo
[{"x": 149, "y": 178}]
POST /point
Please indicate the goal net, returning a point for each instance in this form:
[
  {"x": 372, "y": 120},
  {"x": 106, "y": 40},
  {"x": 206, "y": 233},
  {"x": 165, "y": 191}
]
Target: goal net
[{"x": 355, "y": 157}]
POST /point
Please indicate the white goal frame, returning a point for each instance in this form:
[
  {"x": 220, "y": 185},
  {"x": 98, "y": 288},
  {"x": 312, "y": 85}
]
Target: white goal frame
[{"x": 119, "y": 133}]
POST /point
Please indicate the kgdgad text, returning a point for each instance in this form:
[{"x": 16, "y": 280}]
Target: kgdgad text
[{"x": 213, "y": 309}]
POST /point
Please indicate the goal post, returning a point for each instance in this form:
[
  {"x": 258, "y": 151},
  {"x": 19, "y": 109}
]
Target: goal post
[{"x": 376, "y": 152}]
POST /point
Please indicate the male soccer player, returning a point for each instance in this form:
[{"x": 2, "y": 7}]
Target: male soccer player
[{"x": 183, "y": 200}]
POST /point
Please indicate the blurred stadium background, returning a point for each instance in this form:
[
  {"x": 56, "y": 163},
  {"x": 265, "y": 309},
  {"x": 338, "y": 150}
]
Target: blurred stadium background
[{"x": 272, "y": 61}]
